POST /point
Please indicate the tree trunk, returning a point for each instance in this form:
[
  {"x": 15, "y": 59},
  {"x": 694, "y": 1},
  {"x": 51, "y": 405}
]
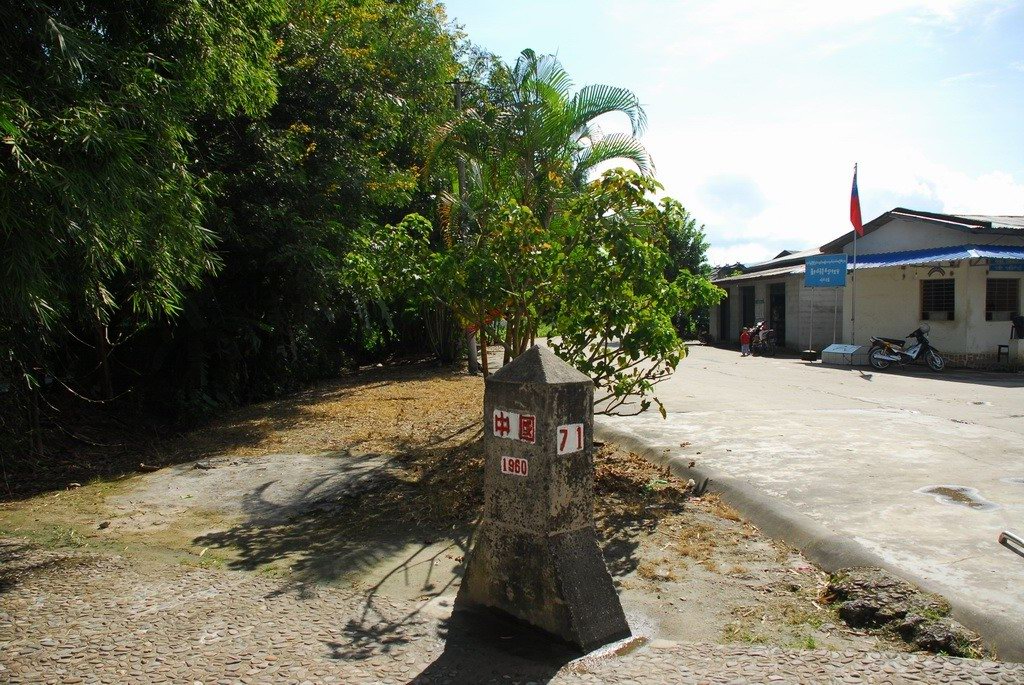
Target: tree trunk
[
  {"x": 483, "y": 348},
  {"x": 510, "y": 340},
  {"x": 474, "y": 363},
  {"x": 34, "y": 428},
  {"x": 460, "y": 218},
  {"x": 102, "y": 353},
  {"x": 442, "y": 333}
]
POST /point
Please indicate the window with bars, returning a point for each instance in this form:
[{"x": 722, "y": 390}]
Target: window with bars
[
  {"x": 1002, "y": 299},
  {"x": 938, "y": 302}
]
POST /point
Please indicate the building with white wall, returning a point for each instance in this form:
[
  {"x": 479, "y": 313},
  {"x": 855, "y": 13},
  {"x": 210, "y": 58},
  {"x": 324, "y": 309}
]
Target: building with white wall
[
  {"x": 962, "y": 274},
  {"x": 774, "y": 291}
]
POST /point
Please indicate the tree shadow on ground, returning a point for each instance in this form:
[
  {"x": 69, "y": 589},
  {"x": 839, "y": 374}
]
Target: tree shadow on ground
[
  {"x": 391, "y": 525},
  {"x": 620, "y": 537},
  {"x": 348, "y": 522},
  {"x": 487, "y": 647},
  {"x": 375, "y": 525},
  {"x": 19, "y": 559}
]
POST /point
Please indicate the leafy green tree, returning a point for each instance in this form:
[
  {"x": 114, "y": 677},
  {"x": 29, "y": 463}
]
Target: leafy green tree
[
  {"x": 547, "y": 134},
  {"x": 612, "y": 301},
  {"x": 601, "y": 264},
  {"x": 97, "y": 204},
  {"x": 303, "y": 192},
  {"x": 687, "y": 252},
  {"x": 596, "y": 275},
  {"x": 529, "y": 138},
  {"x": 101, "y": 214},
  {"x": 532, "y": 139},
  {"x": 687, "y": 243}
]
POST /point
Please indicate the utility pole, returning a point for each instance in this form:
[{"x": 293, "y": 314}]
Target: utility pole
[{"x": 460, "y": 165}]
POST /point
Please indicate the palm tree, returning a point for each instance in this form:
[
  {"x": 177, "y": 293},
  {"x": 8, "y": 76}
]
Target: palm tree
[
  {"x": 531, "y": 139},
  {"x": 527, "y": 138},
  {"x": 557, "y": 141}
]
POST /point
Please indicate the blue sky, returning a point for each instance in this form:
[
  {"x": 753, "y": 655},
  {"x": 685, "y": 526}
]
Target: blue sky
[{"x": 757, "y": 110}]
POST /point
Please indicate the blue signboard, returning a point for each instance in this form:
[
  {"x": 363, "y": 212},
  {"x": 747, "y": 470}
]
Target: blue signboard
[{"x": 825, "y": 271}]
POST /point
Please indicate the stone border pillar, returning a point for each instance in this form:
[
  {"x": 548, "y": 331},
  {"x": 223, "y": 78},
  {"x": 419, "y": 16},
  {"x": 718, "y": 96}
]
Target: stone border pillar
[{"x": 535, "y": 555}]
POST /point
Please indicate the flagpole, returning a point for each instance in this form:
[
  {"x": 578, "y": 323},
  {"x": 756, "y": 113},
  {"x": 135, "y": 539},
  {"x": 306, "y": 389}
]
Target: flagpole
[{"x": 853, "y": 295}]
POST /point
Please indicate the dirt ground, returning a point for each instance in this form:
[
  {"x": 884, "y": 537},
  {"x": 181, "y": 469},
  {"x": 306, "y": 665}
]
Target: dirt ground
[{"x": 374, "y": 482}]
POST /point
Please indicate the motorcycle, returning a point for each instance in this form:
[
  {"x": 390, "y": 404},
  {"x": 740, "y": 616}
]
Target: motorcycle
[
  {"x": 762, "y": 340},
  {"x": 885, "y": 351}
]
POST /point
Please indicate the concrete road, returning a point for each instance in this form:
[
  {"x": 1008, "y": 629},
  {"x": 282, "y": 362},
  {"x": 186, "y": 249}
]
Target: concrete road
[{"x": 857, "y": 450}]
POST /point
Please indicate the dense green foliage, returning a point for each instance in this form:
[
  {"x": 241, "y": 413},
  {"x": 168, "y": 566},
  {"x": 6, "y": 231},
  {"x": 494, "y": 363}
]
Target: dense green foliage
[
  {"x": 210, "y": 203},
  {"x": 687, "y": 253},
  {"x": 595, "y": 278},
  {"x": 189, "y": 191},
  {"x": 612, "y": 300},
  {"x": 101, "y": 212},
  {"x": 301, "y": 194}
]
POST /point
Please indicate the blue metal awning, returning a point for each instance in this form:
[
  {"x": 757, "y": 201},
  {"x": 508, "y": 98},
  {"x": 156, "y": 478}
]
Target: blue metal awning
[
  {"x": 999, "y": 258},
  {"x": 936, "y": 255}
]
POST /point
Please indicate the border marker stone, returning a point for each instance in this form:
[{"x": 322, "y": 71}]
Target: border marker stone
[{"x": 535, "y": 555}]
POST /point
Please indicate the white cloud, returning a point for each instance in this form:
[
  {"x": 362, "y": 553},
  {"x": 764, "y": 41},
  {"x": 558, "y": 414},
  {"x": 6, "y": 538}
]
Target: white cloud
[
  {"x": 993, "y": 193},
  {"x": 760, "y": 145},
  {"x": 804, "y": 170},
  {"x": 966, "y": 76},
  {"x": 710, "y": 31},
  {"x": 744, "y": 253}
]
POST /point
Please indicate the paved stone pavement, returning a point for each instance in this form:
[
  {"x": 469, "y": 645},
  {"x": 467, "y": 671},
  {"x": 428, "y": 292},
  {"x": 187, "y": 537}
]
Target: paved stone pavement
[{"x": 76, "y": 618}]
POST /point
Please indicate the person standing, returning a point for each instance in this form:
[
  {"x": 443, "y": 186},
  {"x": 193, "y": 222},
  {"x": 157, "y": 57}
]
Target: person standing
[{"x": 745, "y": 342}]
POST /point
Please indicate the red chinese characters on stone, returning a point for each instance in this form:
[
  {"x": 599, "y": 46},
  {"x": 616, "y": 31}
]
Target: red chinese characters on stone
[
  {"x": 513, "y": 426},
  {"x": 528, "y": 428},
  {"x": 502, "y": 424}
]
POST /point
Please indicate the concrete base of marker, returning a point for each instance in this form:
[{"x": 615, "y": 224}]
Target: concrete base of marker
[{"x": 557, "y": 583}]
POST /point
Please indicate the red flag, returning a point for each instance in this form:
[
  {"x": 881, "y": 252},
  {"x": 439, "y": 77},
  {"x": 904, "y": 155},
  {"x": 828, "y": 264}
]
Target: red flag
[{"x": 855, "y": 207}]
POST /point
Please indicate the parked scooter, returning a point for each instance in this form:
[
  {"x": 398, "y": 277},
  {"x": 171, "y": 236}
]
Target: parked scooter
[{"x": 885, "y": 351}]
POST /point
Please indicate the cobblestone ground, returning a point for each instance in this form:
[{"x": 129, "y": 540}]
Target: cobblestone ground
[{"x": 72, "y": 618}]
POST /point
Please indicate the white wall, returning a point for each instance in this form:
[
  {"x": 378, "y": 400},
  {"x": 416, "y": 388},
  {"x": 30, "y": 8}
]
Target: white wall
[
  {"x": 983, "y": 336},
  {"x": 715, "y": 328},
  {"x": 793, "y": 316},
  {"x": 760, "y": 300},
  {"x": 799, "y": 301},
  {"x": 794, "y": 324},
  {"x": 889, "y": 299},
  {"x": 889, "y": 305}
]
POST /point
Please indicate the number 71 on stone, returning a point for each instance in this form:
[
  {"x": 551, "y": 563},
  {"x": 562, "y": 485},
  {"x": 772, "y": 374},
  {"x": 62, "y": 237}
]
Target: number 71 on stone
[{"x": 570, "y": 438}]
